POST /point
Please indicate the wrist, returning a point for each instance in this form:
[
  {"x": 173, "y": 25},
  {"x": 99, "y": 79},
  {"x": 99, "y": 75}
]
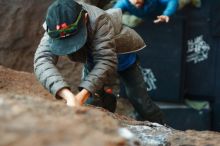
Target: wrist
[
  {"x": 82, "y": 96},
  {"x": 65, "y": 93},
  {"x": 85, "y": 92}
]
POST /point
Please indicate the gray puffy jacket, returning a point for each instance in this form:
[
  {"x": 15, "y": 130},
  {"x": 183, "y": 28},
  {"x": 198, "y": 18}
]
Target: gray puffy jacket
[{"x": 106, "y": 37}]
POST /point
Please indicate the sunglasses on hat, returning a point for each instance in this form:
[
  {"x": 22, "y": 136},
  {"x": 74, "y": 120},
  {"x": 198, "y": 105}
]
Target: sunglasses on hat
[{"x": 63, "y": 30}]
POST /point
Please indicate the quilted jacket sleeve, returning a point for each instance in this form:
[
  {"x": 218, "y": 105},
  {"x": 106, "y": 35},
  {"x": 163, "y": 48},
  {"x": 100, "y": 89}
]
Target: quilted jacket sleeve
[
  {"x": 45, "y": 69},
  {"x": 104, "y": 55}
]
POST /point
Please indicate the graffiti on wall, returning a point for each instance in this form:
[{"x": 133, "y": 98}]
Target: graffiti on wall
[
  {"x": 149, "y": 79},
  {"x": 198, "y": 50}
]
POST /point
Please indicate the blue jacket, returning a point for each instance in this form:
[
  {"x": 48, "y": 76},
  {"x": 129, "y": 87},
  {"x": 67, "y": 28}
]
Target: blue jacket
[{"x": 150, "y": 6}]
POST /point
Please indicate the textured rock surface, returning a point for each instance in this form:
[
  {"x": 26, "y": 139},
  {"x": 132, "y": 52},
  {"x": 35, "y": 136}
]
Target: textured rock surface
[
  {"x": 30, "y": 116},
  {"x": 20, "y": 31},
  {"x": 28, "y": 120},
  {"x": 195, "y": 138}
]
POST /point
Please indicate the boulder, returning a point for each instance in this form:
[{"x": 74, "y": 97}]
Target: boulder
[{"x": 31, "y": 116}]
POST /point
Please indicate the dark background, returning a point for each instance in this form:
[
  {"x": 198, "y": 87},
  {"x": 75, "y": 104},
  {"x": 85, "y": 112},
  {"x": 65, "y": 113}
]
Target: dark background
[{"x": 178, "y": 79}]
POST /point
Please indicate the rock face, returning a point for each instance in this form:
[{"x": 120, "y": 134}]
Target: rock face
[
  {"x": 31, "y": 116},
  {"x": 195, "y": 138},
  {"x": 20, "y": 31}
]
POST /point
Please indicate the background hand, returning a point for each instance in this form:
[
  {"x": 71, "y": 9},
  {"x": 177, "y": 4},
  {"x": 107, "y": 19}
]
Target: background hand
[{"x": 162, "y": 18}]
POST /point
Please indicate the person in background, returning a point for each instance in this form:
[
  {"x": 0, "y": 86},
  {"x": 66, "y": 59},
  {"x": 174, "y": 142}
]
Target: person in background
[{"x": 146, "y": 8}]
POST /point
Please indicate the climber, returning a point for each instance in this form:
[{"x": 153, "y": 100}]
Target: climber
[{"x": 89, "y": 35}]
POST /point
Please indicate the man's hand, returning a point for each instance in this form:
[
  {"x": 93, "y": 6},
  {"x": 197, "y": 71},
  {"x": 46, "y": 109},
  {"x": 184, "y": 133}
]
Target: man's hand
[
  {"x": 70, "y": 98},
  {"x": 82, "y": 96},
  {"x": 162, "y": 18}
]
